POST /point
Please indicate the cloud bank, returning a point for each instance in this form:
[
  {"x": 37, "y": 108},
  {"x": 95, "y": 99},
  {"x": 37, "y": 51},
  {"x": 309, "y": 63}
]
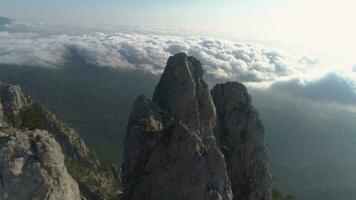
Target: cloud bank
[
  {"x": 223, "y": 60},
  {"x": 334, "y": 87}
]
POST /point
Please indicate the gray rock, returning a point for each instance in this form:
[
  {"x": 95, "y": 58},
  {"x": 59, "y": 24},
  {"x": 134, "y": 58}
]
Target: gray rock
[
  {"x": 240, "y": 136},
  {"x": 95, "y": 181},
  {"x": 170, "y": 152},
  {"x": 12, "y": 100},
  {"x": 183, "y": 93},
  {"x": 32, "y": 167}
]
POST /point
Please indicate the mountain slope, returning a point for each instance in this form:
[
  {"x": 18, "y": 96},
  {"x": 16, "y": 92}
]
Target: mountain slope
[
  {"x": 19, "y": 112},
  {"x": 32, "y": 167},
  {"x": 95, "y": 101}
]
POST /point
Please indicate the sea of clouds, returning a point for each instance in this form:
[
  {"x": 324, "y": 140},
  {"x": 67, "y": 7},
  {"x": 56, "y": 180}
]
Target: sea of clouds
[{"x": 223, "y": 60}]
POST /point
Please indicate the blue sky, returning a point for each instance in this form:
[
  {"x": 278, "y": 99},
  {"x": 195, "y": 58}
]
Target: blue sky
[
  {"x": 98, "y": 10},
  {"x": 322, "y": 27}
]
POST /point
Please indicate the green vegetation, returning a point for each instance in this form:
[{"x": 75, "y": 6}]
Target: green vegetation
[
  {"x": 29, "y": 118},
  {"x": 200, "y": 148},
  {"x": 151, "y": 125},
  {"x": 277, "y": 195},
  {"x": 95, "y": 101}
]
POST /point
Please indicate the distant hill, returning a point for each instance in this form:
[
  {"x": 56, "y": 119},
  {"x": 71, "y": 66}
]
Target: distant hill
[{"x": 5, "y": 21}]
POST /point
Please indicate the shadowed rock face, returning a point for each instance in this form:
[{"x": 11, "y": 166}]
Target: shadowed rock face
[
  {"x": 173, "y": 151},
  {"x": 240, "y": 136},
  {"x": 32, "y": 167},
  {"x": 183, "y": 93},
  {"x": 170, "y": 152}
]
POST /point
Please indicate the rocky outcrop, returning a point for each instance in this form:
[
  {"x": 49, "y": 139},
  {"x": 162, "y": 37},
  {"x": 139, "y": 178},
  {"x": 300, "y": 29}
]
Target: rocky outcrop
[
  {"x": 186, "y": 144},
  {"x": 18, "y": 111},
  {"x": 32, "y": 167},
  {"x": 12, "y": 100},
  {"x": 95, "y": 181},
  {"x": 170, "y": 150},
  {"x": 240, "y": 136}
]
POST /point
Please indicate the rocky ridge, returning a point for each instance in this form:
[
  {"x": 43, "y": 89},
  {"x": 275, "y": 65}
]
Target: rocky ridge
[
  {"x": 32, "y": 167},
  {"x": 95, "y": 181},
  {"x": 17, "y": 111},
  {"x": 180, "y": 146}
]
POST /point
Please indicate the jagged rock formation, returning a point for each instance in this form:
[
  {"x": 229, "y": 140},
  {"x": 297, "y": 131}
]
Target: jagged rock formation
[
  {"x": 173, "y": 145},
  {"x": 170, "y": 152},
  {"x": 240, "y": 135},
  {"x": 32, "y": 167},
  {"x": 12, "y": 100},
  {"x": 18, "y": 111}
]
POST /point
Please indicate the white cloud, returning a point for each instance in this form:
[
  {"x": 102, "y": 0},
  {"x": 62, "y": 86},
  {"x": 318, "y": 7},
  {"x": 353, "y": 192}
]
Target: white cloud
[
  {"x": 354, "y": 68},
  {"x": 223, "y": 60},
  {"x": 330, "y": 87}
]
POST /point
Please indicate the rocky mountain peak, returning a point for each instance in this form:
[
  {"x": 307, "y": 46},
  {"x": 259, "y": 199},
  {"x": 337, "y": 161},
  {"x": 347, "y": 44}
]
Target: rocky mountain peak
[
  {"x": 183, "y": 93},
  {"x": 170, "y": 150},
  {"x": 179, "y": 146},
  {"x": 184, "y": 67},
  {"x": 240, "y": 136}
]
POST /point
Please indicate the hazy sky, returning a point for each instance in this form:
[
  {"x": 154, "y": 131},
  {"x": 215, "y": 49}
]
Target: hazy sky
[{"x": 322, "y": 27}]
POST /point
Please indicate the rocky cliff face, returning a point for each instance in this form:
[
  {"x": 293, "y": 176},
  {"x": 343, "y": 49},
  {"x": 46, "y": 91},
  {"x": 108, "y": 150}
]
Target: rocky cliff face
[
  {"x": 240, "y": 136},
  {"x": 32, "y": 167},
  {"x": 18, "y": 112},
  {"x": 170, "y": 149},
  {"x": 173, "y": 147}
]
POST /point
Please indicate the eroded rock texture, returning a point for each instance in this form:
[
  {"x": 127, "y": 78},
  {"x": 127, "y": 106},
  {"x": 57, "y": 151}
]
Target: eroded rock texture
[
  {"x": 32, "y": 167},
  {"x": 240, "y": 136},
  {"x": 18, "y": 111},
  {"x": 170, "y": 152}
]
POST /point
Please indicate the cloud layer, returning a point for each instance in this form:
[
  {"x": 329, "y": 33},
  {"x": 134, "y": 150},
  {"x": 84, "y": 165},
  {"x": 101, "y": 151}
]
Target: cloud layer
[
  {"x": 334, "y": 87},
  {"x": 223, "y": 60}
]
